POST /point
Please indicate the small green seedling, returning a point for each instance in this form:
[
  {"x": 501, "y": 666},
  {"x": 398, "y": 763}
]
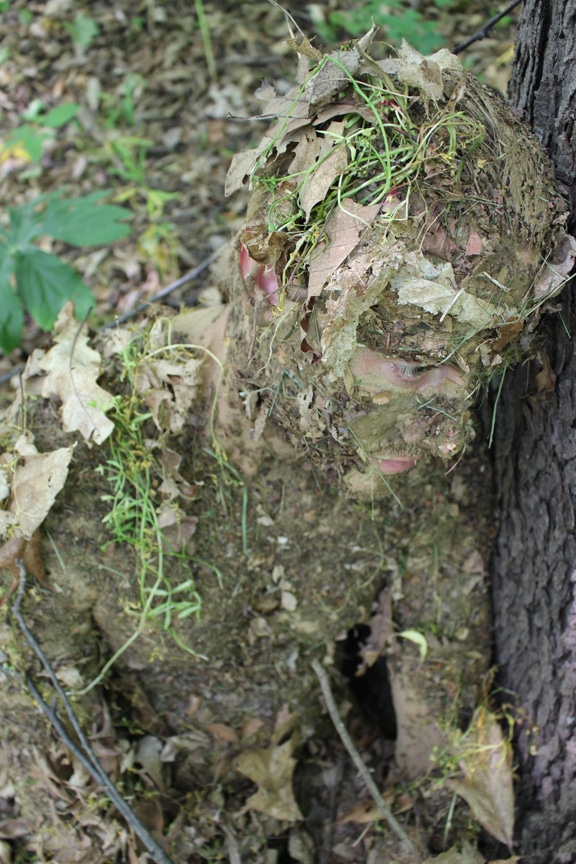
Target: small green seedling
[
  {"x": 83, "y": 31},
  {"x": 38, "y": 282},
  {"x": 28, "y": 140},
  {"x": 118, "y": 113}
]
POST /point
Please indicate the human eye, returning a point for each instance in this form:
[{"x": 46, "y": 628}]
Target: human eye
[{"x": 408, "y": 370}]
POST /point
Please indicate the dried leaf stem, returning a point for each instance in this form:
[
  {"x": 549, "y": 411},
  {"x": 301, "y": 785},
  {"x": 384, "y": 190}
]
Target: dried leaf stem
[
  {"x": 84, "y": 753},
  {"x": 357, "y": 759}
]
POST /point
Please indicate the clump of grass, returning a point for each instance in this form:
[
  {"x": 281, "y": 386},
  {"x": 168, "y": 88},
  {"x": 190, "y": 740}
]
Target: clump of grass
[
  {"x": 133, "y": 518},
  {"x": 394, "y": 141}
]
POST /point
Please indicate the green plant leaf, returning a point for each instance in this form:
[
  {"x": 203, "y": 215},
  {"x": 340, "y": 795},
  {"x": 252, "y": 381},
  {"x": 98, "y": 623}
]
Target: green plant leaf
[
  {"x": 30, "y": 139},
  {"x": 12, "y": 318},
  {"x": 418, "y": 639},
  {"x": 82, "y": 222},
  {"x": 45, "y": 283},
  {"x": 25, "y": 224},
  {"x": 58, "y": 116},
  {"x": 82, "y": 30},
  {"x": 35, "y": 108}
]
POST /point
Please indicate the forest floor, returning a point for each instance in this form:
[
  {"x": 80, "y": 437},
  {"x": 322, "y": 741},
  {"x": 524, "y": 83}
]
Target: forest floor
[{"x": 198, "y": 719}]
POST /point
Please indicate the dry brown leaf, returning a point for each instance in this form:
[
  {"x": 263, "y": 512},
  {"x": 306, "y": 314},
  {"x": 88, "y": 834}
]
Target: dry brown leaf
[
  {"x": 381, "y": 632},
  {"x": 441, "y": 295},
  {"x": 487, "y": 787},
  {"x": 174, "y": 484},
  {"x": 278, "y": 137},
  {"x": 506, "y": 334},
  {"x": 474, "y": 243},
  {"x": 176, "y": 526},
  {"x": 555, "y": 271},
  {"x": 28, "y": 551},
  {"x": 317, "y": 89},
  {"x": 343, "y": 229},
  {"x": 425, "y": 73},
  {"x": 73, "y": 369},
  {"x": 169, "y": 388},
  {"x": 372, "y": 269},
  {"x": 467, "y": 855},
  {"x": 251, "y": 727},
  {"x": 365, "y": 812},
  {"x": 332, "y": 159},
  {"x": 337, "y": 68},
  {"x": 272, "y": 769},
  {"x": 223, "y": 733},
  {"x": 191, "y": 742},
  {"x": 148, "y": 757},
  {"x": 546, "y": 378},
  {"x": 35, "y": 483}
]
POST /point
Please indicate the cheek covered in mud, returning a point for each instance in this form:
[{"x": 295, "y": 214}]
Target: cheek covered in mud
[
  {"x": 408, "y": 410},
  {"x": 395, "y": 436}
]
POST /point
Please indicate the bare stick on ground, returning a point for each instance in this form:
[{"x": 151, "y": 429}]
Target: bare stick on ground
[
  {"x": 84, "y": 753},
  {"x": 356, "y": 758}
]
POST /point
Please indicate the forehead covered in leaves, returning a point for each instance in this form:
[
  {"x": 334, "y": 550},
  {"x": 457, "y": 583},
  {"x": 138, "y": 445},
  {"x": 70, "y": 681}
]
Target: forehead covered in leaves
[{"x": 403, "y": 201}]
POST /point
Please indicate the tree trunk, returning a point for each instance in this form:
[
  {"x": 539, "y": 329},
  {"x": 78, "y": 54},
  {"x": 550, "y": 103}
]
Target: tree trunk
[{"x": 534, "y": 571}]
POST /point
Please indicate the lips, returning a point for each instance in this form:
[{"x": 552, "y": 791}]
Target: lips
[
  {"x": 395, "y": 465},
  {"x": 264, "y": 276}
]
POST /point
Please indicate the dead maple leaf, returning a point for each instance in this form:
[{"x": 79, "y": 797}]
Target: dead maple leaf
[
  {"x": 487, "y": 788},
  {"x": 73, "y": 369},
  {"x": 272, "y": 769}
]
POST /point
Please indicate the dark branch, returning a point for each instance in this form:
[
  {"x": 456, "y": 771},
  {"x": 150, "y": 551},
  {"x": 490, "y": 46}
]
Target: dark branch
[
  {"x": 188, "y": 277},
  {"x": 483, "y": 32},
  {"x": 86, "y": 755}
]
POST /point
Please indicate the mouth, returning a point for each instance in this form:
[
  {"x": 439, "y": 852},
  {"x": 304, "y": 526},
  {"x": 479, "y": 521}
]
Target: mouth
[{"x": 395, "y": 465}]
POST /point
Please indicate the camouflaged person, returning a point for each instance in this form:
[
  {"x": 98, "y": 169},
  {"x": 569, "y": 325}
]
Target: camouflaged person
[{"x": 403, "y": 234}]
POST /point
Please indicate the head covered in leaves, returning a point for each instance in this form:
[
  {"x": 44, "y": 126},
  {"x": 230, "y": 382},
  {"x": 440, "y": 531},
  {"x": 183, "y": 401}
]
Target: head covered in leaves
[{"x": 403, "y": 231}]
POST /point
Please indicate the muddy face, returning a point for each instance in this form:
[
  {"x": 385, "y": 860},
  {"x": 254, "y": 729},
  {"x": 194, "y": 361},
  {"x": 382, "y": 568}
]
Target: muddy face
[
  {"x": 391, "y": 286},
  {"x": 398, "y": 411},
  {"x": 413, "y": 410}
]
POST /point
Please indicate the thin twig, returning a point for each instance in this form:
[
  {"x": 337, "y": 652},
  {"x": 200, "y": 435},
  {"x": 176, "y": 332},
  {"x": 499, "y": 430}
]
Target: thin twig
[
  {"x": 357, "y": 759},
  {"x": 483, "y": 32},
  {"x": 86, "y": 755},
  {"x": 188, "y": 277},
  {"x": 7, "y": 376}
]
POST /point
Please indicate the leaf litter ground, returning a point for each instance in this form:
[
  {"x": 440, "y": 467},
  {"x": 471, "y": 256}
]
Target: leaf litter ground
[{"x": 207, "y": 749}]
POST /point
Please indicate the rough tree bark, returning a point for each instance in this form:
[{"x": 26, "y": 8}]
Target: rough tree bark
[{"x": 535, "y": 559}]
